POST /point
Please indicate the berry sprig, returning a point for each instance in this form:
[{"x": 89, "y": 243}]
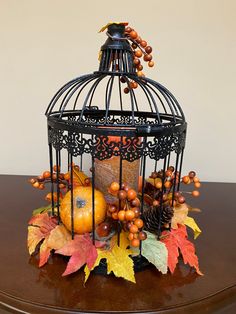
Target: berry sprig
[
  {"x": 141, "y": 49},
  {"x": 63, "y": 181},
  {"x": 40, "y": 181},
  {"x": 165, "y": 181},
  {"x": 127, "y": 212}
]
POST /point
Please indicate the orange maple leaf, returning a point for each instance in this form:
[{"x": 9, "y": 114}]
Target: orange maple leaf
[{"x": 176, "y": 240}]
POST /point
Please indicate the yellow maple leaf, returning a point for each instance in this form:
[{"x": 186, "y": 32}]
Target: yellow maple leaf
[
  {"x": 101, "y": 254},
  {"x": 118, "y": 262},
  {"x": 190, "y": 222},
  {"x": 124, "y": 242},
  {"x": 108, "y": 24}
]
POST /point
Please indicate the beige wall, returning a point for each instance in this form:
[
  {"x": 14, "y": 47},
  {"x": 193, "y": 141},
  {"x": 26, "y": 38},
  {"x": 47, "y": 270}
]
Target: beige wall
[{"x": 46, "y": 43}]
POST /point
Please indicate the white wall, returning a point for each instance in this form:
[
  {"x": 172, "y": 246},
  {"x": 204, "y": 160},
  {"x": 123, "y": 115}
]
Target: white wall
[{"x": 45, "y": 43}]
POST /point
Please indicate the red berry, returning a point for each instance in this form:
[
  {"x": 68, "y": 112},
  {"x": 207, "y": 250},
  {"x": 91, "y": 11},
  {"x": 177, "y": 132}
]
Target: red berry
[
  {"x": 115, "y": 186},
  {"x": 147, "y": 57},
  {"x": 129, "y": 215},
  {"x": 103, "y": 229},
  {"x": 135, "y": 242},
  {"x": 122, "y": 195},
  {"x": 148, "y": 49},
  {"x": 133, "y": 229},
  {"x": 139, "y": 223},
  {"x": 195, "y": 193},
  {"x": 142, "y": 235},
  {"x": 133, "y": 34},
  {"x": 131, "y": 194},
  {"x": 121, "y": 215},
  {"x": 143, "y": 43}
]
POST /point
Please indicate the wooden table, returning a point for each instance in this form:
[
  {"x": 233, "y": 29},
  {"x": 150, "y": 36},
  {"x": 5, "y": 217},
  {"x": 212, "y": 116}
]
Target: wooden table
[{"x": 24, "y": 288}]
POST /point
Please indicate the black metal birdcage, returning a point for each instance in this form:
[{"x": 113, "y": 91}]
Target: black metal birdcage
[{"x": 90, "y": 119}]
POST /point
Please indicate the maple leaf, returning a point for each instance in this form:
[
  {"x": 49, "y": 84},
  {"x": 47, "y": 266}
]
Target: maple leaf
[
  {"x": 118, "y": 261},
  {"x": 155, "y": 252},
  {"x": 190, "y": 222},
  {"x": 177, "y": 239},
  {"x": 81, "y": 251},
  {"x": 180, "y": 214},
  {"x": 57, "y": 238},
  {"x": 39, "y": 228},
  {"x": 124, "y": 242}
]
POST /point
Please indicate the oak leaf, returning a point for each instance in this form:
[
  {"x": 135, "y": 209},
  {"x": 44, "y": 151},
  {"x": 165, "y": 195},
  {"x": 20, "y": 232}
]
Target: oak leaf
[
  {"x": 81, "y": 251},
  {"x": 176, "y": 240},
  {"x": 155, "y": 252}
]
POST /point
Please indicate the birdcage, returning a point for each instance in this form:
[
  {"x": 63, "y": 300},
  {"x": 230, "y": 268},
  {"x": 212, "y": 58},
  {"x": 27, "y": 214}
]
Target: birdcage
[{"x": 117, "y": 135}]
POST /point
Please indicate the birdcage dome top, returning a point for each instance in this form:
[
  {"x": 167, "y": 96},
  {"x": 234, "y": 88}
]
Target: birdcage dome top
[{"x": 96, "y": 104}]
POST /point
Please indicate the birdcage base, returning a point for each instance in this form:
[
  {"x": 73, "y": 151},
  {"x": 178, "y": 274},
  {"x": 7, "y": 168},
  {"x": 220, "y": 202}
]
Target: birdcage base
[{"x": 140, "y": 263}]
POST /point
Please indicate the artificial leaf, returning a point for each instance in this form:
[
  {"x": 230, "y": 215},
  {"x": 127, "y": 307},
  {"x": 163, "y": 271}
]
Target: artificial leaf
[
  {"x": 155, "y": 252},
  {"x": 41, "y": 210},
  {"x": 177, "y": 239},
  {"x": 124, "y": 242},
  {"x": 78, "y": 177},
  {"x": 39, "y": 228},
  {"x": 193, "y": 209},
  {"x": 190, "y": 222},
  {"x": 57, "y": 238},
  {"x": 108, "y": 24},
  {"x": 118, "y": 262},
  {"x": 101, "y": 254},
  {"x": 180, "y": 214},
  {"x": 173, "y": 251},
  {"x": 81, "y": 251}
]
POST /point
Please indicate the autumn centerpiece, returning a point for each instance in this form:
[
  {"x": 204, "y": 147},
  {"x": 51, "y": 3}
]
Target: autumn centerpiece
[{"x": 118, "y": 201}]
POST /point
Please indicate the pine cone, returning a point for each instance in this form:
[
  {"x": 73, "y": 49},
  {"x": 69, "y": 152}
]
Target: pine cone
[{"x": 151, "y": 217}]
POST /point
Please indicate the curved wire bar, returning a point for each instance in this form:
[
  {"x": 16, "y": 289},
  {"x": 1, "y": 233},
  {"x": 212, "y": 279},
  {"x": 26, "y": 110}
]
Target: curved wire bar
[
  {"x": 71, "y": 92},
  {"x": 61, "y": 91}
]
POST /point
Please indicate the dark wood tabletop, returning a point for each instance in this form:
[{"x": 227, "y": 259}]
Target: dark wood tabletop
[{"x": 24, "y": 288}]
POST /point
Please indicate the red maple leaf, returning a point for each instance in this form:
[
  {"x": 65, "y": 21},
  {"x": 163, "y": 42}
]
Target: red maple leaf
[
  {"x": 40, "y": 227},
  {"x": 81, "y": 251},
  {"x": 177, "y": 239}
]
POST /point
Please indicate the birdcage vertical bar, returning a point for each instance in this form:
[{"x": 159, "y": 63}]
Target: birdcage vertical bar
[
  {"x": 180, "y": 168},
  {"x": 161, "y": 200},
  {"x": 175, "y": 175},
  {"x": 51, "y": 177},
  {"x": 120, "y": 183},
  {"x": 93, "y": 200},
  {"x": 71, "y": 166},
  {"x": 57, "y": 183}
]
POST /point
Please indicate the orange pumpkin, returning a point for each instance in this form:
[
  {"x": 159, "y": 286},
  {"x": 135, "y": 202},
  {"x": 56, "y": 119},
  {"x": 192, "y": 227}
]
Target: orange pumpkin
[{"x": 83, "y": 209}]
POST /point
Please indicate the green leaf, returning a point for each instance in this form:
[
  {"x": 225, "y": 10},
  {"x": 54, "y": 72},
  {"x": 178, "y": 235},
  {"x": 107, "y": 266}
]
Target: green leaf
[
  {"x": 41, "y": 210},
  {"x": 155, "y": 252}
]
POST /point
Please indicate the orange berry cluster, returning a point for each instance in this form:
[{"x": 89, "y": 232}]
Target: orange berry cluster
[
  {"x": 166, "y": 181},
  {"x": 192, "y": 178},
  {"x": 40, "y": 181},
  {"x": 141, "y": 49},
  {"x": 127, "y": 211}
]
